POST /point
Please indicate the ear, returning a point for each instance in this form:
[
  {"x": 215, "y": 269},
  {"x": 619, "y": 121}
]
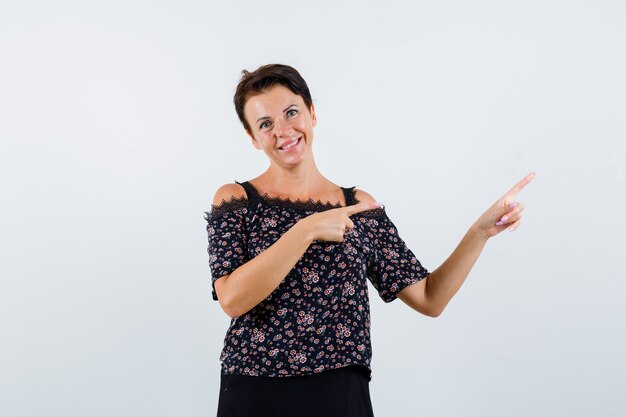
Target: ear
[
  {"x": 313, "y": 116},
  {"x": 254, "y": 142}
]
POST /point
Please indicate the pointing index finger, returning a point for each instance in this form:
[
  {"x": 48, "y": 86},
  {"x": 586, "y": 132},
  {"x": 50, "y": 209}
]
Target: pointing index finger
[
  {"x": 520, "y": 185},
  {"x": 357, "y": 208}
]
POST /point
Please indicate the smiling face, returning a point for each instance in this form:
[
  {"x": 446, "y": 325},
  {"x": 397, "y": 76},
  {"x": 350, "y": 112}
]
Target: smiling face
[{"x": 278, "y": 118}]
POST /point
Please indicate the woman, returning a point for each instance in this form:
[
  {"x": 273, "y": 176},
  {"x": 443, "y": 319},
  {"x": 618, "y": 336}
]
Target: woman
[{"x": 290, "y": 254}]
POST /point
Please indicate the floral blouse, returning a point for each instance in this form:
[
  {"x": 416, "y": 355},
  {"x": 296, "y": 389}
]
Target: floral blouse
[{"x": 318, "y": 318}]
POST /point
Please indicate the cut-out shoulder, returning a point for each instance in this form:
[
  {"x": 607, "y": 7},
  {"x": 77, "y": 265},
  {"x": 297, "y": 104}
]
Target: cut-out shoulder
[
  {"x": 228, "y": 192},
  {"x": 227, "y": 197},
  {"x": 363, "y": 197}
]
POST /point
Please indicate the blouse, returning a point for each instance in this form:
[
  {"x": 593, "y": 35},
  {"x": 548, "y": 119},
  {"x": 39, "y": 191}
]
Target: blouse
[{"x": 318, "y": 318}]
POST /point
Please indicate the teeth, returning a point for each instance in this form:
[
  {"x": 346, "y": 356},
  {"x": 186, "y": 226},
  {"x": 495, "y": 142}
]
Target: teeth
[{"x": 290, "y": 145}]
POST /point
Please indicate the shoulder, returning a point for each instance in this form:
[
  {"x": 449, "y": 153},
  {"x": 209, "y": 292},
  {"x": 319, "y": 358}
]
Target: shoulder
[
  {"x": 228, "y": 192},
  {"x": 363, "y": 196}
]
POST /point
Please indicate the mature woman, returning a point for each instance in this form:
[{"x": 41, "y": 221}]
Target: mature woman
[{"x": 290, "y": 254}]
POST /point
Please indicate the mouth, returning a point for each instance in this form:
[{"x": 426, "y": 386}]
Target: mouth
[{"x": 291, "y": 146}]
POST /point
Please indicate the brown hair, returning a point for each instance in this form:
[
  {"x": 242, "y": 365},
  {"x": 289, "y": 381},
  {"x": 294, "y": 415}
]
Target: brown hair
[{"x": 264, "y": 77}]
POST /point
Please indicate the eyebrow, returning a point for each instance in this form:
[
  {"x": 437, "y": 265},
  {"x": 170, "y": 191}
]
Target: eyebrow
[{"x": 267, "y": 117}]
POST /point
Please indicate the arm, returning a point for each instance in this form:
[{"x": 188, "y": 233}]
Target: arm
[
  {"x": 252, "y": 282},
  {"x": 442, "y": 283},
  {"x": 431, "y": 295}
]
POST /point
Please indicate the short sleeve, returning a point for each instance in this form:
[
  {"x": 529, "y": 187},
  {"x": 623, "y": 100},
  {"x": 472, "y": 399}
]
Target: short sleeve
[
  {"x": 392, "y": 265},
  {"x": 228, "y": 239}
]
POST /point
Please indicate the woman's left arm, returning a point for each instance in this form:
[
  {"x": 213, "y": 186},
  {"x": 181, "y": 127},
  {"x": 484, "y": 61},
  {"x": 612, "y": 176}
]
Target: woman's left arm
[{"x": 433, "y": 293}]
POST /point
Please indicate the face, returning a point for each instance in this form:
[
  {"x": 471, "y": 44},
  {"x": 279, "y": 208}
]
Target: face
[{"x": 278, "y": 118}]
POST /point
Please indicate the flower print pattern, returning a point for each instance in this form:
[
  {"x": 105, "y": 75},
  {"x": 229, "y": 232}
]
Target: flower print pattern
[
  {"x": 318, "y": 318},
  {"x": 393, "y": 262}
]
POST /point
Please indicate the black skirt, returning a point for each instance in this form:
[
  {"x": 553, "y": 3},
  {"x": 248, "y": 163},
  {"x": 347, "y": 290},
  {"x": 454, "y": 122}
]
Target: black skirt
[{"x": 341, "y": 392}]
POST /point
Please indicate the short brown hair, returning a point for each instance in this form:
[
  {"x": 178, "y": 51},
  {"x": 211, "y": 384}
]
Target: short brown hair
[{"x": 264, "y": 77}]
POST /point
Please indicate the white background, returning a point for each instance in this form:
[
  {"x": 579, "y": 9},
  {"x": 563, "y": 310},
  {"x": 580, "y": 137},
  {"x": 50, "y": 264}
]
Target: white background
[{"x": 117, "y": 127}]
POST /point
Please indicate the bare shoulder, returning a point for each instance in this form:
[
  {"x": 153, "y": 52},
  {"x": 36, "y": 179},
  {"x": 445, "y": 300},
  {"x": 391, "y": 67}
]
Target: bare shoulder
[
  {"x": 363, "y": 196},
  {"x": 227, "y": 192}
]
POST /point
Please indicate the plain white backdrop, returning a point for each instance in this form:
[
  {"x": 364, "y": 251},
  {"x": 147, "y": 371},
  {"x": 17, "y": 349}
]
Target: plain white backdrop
[{"x": 117, "y": 127}]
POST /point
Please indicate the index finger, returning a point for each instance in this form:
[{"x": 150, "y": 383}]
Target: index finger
[
  {"x": 357, "y": 208},
  {"x": 520, "y": 185}
]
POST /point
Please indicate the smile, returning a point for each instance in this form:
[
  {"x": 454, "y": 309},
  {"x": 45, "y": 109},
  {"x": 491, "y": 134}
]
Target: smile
[{"x": 291, "y": 146}]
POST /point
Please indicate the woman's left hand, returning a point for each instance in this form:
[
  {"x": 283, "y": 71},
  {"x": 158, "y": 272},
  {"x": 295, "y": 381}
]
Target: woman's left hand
[{"x": 504, "y": 213}]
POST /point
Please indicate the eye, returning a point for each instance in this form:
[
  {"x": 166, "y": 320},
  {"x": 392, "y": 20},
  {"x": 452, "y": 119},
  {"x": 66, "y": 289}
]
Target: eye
[
  {"x": 262, "y": 124},
  {"x": 292, "y": 110}
]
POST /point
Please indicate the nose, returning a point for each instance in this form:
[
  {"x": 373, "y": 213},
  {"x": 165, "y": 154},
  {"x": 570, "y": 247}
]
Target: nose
[{"x": 282, "y": 128}]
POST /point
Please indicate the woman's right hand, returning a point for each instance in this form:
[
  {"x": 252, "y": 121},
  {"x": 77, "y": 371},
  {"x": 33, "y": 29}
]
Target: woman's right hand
[{"x": 331, "y": 225}]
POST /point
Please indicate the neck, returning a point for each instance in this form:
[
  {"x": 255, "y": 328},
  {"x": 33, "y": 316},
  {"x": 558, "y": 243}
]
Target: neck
[{"x": 303, "y": 179}]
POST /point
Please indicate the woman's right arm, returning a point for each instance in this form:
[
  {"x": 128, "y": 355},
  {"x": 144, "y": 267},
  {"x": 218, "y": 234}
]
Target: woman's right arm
[{"x": 253, "y": 281}]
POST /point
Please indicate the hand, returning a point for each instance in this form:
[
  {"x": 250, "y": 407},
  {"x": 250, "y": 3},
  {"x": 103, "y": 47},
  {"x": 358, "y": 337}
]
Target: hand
[
  {"x": 330, "y": 225},
  {"x": 504, "y": 213}
]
